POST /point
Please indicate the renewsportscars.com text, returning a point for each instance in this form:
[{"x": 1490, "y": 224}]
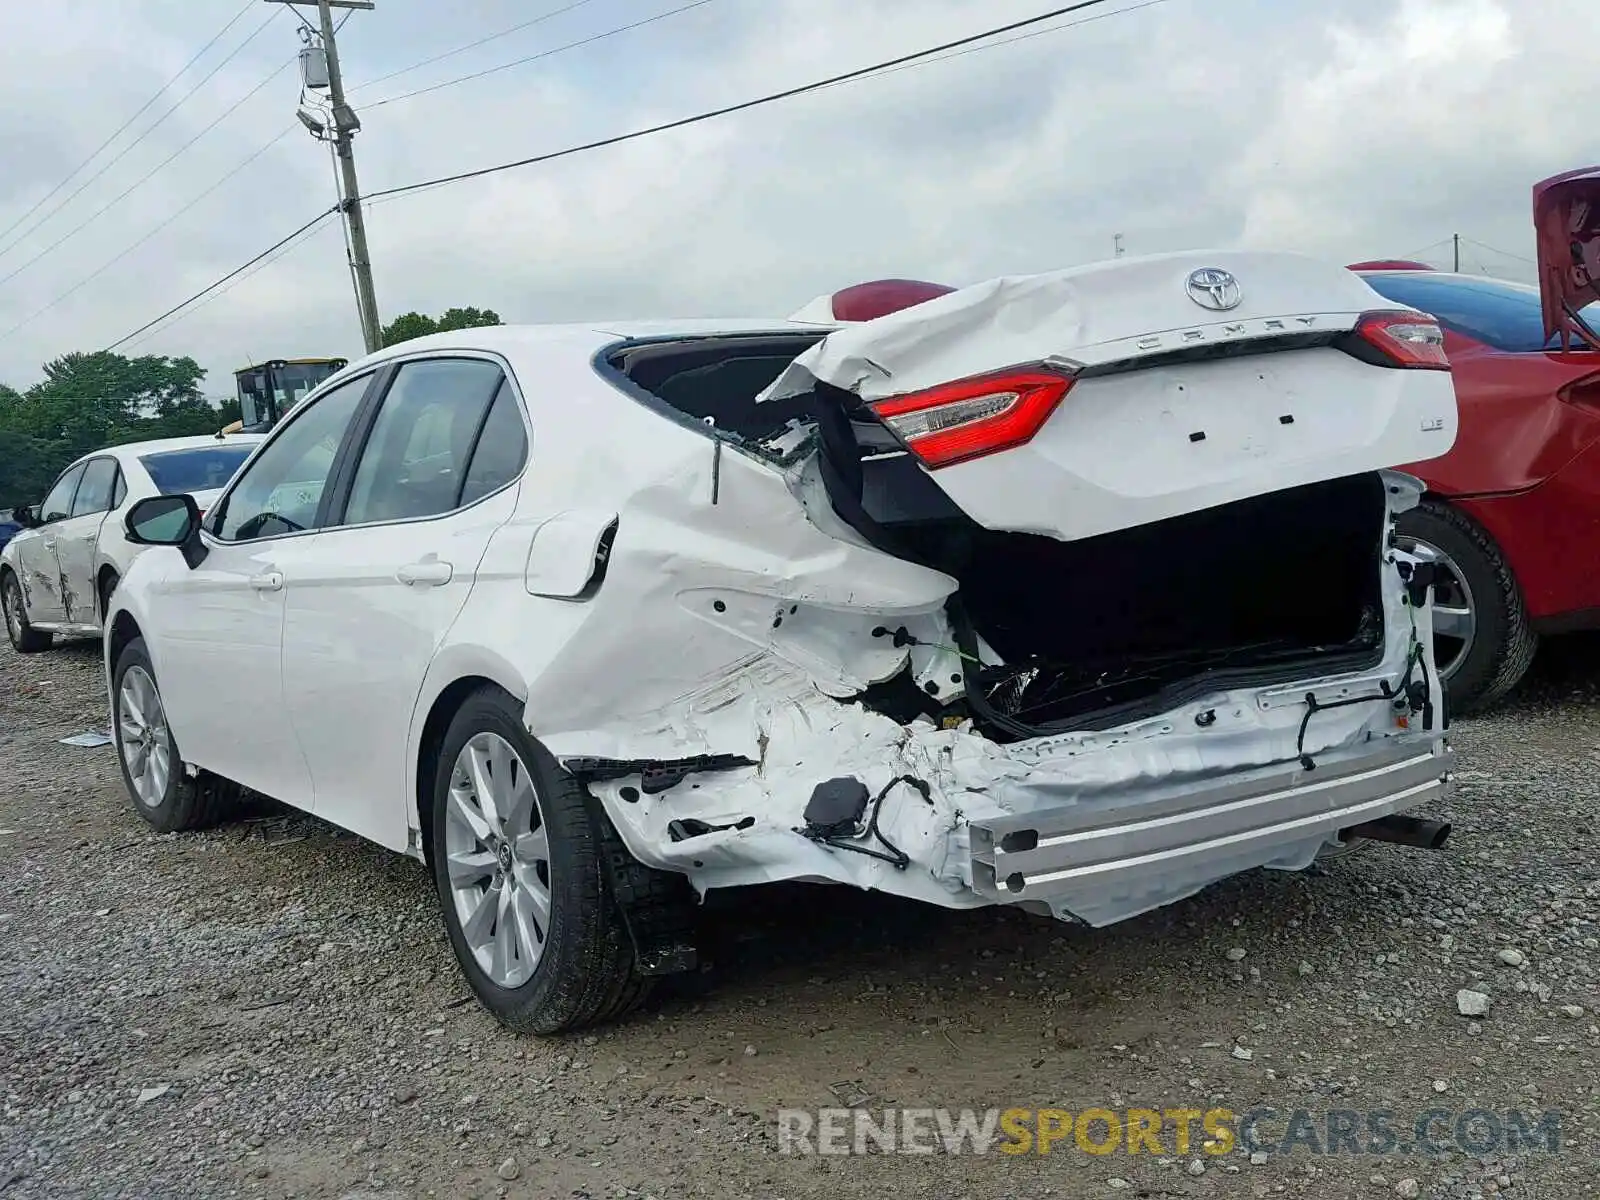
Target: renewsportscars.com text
[{"x": 1167, "y": 1131}]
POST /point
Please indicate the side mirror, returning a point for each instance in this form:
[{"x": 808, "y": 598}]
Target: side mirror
[{"x": 167, "y": 521}]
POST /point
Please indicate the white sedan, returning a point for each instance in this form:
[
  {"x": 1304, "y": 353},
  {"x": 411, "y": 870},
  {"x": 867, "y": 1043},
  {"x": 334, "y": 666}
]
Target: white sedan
[
  {"x": 57, "y": 573},
  {"x": 1069, "y": 592}
]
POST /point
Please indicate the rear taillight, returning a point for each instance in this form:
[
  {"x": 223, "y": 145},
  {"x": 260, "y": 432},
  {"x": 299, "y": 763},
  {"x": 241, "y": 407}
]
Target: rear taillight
[
  {"x": 1405, "y": 339},
  {"x": 969, "y": 418}
]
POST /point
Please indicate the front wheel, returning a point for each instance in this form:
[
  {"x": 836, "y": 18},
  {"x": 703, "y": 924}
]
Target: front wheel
[
  {"x": 1482, "y": 640},
  {"x": 517, "y": 860},
  {"x": 25, "y": 639},
  {"x": 163, "y": 793}
]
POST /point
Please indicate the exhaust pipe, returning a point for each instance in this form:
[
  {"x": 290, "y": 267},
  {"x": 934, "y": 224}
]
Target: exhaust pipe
[{"x": 1403, "y": 831}]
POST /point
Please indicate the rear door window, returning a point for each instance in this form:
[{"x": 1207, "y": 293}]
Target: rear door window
[
  {"x": 95, "y": 492},
  {"x": 416, "y": 459},
  {"x": 501, "y": 451}
]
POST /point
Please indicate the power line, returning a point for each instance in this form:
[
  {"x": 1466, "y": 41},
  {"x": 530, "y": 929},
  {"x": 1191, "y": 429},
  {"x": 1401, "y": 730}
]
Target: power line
[
  {"x": 483, "y": 41},
  {"x": 726, "y": 110},
  {"x": 1021, "y": 37},
  {"x": 1418, "y": 253},
  {"x": 300, "y": 238},
  {"x": 448, "y": 83},
  {"x": 1502, "y": 253},
  {"x": 860, "y": 73},
  {"x": 148, "y": 131},
  {"x": 237, "y": 271},
  {"x": 145, "y": 178},
  {"x": 123, "y": 128},
  {"x": 180, "y": 211}
]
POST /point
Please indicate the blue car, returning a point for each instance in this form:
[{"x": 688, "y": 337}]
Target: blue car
[{"x": 8, "y": 530}]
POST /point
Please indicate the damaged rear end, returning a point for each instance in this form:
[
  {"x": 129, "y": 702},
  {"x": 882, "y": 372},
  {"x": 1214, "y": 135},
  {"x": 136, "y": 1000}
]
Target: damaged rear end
[{"x": 1146, "y": 626}]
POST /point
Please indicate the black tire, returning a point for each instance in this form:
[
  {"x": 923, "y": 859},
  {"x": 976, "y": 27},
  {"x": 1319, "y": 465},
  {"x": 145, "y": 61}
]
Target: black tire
[
  {"x": 25, "y": 639},
  {"x": 189, "y": 802},
  {"x": 108, "y": 584},
  {"x": 586, "y": 973},
  {"x": 1503, "y": 643}
]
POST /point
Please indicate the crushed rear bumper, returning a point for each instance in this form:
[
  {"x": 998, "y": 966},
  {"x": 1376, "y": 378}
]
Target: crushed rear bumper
[{"x": 1082, "y": 857}]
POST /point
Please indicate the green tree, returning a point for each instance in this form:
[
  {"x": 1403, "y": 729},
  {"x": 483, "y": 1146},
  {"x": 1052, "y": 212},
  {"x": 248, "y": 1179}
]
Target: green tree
[
  {"x": 86, "y": 402},
  {"x": 414, "y": 324}
]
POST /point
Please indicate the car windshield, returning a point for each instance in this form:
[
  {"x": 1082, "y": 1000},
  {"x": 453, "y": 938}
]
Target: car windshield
[
  {"x": 1498, "y": 313},
  {"x": 203, "y": 469}
]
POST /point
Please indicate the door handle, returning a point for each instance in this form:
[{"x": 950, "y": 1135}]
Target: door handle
[
  {"x": 267, "y": 581},
  {"x": 430, "y": 573}
]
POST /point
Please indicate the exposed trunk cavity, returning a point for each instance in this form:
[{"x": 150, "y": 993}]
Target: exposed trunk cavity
[{"x": 1099, "y": 631}]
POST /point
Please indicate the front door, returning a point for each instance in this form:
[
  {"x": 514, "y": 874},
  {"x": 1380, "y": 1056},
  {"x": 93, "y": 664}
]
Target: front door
[
  {"x": 221, "y": 653},
  {"x": 36, "y": 552},
  {"x": 371, "y": 598}
]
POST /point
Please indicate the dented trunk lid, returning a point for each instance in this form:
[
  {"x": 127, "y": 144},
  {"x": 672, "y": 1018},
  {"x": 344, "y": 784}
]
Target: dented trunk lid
[{"x": 1176, "y": 405}]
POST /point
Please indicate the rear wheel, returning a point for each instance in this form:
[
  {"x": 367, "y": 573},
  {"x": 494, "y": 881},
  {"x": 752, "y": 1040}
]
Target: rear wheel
[
  {"x": 517, "y": 860},
  {"x": 25, "y": 639},
  {"x": 1483, "y": 643}
]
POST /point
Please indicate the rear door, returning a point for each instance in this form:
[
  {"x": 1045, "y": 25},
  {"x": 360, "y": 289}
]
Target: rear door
[
  {"x": 36, "y": 552},
  {"x": 1114, "y": 395},
  {"x": 370, "y": 598},
  {"x": 78, "y": 538}
]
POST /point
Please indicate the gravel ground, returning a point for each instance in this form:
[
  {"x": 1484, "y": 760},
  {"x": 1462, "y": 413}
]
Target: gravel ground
[{"x": 270, "y": 1009}]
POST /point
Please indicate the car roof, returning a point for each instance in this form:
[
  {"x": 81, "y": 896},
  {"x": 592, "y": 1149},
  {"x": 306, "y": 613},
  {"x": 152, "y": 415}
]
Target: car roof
[{"x": 586, "y": 336}]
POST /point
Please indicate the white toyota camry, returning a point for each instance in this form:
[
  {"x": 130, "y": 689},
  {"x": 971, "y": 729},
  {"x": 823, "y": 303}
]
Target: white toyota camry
[
  {"x": 1073, "y": 591},
  {"x": 57, "y": 573}
]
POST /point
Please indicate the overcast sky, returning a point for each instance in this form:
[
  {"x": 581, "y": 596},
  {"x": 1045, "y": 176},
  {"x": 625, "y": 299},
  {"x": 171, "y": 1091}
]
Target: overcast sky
[{"x": 1347, "y": 128}]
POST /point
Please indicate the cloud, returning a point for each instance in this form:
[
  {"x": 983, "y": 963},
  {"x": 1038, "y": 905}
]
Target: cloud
[{"x": 1350, "y": 129}]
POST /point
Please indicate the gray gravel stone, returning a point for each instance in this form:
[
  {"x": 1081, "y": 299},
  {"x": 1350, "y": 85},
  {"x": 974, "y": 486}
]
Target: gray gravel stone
[{"x": 209, "y": 975}]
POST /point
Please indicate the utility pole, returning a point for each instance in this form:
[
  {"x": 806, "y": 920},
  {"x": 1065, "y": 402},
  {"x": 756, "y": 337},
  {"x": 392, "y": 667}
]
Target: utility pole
[
  {"x": 1116, "y": 242},
  {"x": 1455, "y": 238},
  {"x": 345, "y": 126}
]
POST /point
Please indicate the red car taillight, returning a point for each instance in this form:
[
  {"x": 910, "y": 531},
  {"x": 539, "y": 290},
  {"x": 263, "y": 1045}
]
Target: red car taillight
[
  {"x": 969, "y": 418},
  {"x": 1407, "y": 339}
]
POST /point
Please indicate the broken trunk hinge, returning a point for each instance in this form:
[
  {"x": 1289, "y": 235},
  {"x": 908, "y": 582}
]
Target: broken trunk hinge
[
  {"x": 1410, "y": 694},
  {"x": 835, "y": 810},
  {"x": 716, "y": 470}
]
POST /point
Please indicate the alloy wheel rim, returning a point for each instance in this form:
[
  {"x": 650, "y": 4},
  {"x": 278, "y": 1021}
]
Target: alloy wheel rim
[
  {"x": 497, "y": 859},
  {"x": 13, "y": 606},
  {"x": 142, "y": 738},
  {"x": 1455, "y": 619}
]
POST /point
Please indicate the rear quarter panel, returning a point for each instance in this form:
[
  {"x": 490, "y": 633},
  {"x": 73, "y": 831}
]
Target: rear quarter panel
[
  {"x": 1515, "y": 432},
  {"x": 1526, "y": 466}
]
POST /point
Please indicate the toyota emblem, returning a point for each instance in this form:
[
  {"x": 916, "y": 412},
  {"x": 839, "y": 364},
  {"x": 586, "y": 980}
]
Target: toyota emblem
[{"x": 1213, "y": 288}]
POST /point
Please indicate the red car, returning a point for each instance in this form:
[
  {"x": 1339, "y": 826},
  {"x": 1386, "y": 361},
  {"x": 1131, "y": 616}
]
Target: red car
[{"x": 1513, "y": 510}]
